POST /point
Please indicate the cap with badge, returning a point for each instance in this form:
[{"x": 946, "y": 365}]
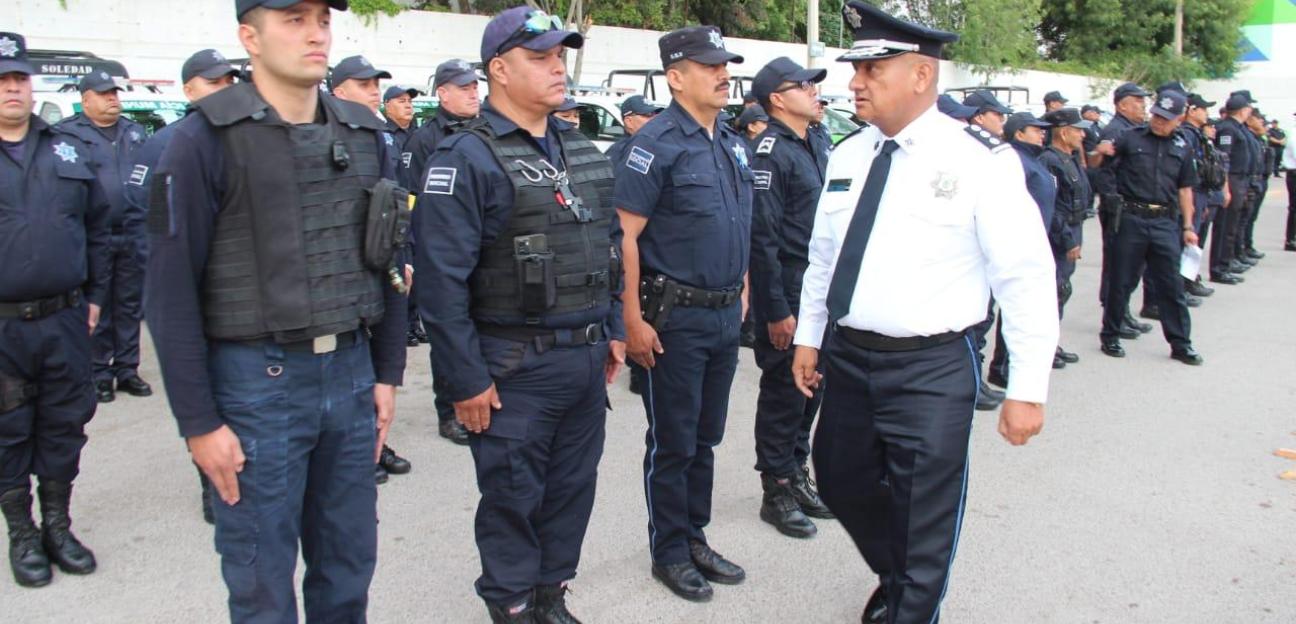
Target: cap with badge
[
  {"x": 639, "y": 105},
  {"x": 984, "y": 100},
  {"x": 751, "y": 115},
  {"x": 951, "y": 107},
  {"x": 525, "y": 27},
  {"x": 1128, "y": 89},
  {"x": 701, "y": 44},
  {"x": 208, "y": 64},
  {"x": 243, "y": 6},
  {"x": 1017, "y": 121},
  {"x": 457, "y": 72},
  {"x": 99, "y": 82},
  {"x": 1195, "y": 100},
  {"x": 1170, "y": 105},
  {"x": 783, "y": 70},
  {"x": 13, "y": 54},
  {"x": 1054, "y": 96},
  {"x": 878, "y": 35},
  {"x": 355, "y": 68},
  {"x": 1064, "y": 117},
  {"x": 396, "y": 91}
]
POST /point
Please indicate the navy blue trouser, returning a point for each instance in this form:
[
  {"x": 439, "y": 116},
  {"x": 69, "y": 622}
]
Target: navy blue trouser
[
  {"x": 891, "y": 454},
  {"x": 1157, "y": 243},
  {"x": 784, "y": 416},
  {"x": 537, "y": 465},
  {"x": 117, "y": 337},
  {"x": 44, "y": 436},
  {"x": 686, "y": 399},
  {"x": 1246, "y": 238},
  {"x": 306, "y": 423}
]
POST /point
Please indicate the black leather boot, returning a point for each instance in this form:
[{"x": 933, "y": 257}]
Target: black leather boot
[
  {"x": 512, "y": 615},
  {"x": 779, "y": 508},
  {"x": 551, "y": 605},
  {"x": 30, "y": 565},
  {"x": 803, "y": 489},
  {"x": 63, "y": 548},
  {"x": 875, "y": 612}
]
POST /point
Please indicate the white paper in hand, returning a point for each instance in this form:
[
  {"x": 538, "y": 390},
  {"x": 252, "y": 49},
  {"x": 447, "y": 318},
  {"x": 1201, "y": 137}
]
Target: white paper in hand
[{"x": 1190, "y": 262}]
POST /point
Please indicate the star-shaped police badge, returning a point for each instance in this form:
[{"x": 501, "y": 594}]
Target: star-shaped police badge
[
  {"x": 945, "y": 185},
  {"x": 716, "y": 40},
  {"x": 8, "y": 47},
  {"x": 740, "y": 153},
  {"x": 66, "y": 152},
  {"x": 1166, "y": 102},
  {"x": 852, "y": 16}
]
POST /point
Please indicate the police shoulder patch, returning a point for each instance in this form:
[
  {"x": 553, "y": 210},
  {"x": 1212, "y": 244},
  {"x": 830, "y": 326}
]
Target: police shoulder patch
[
  {"x": 766, "y": 145},
  {"x": 1226, "y": 139},
  {"x": 763, "y": 179},
  {"x": 640, "y": 159},
  {"x": 984, "y": 137},
  {"x": 440, "y": 180},
  {"x": 138, "y": 175}
]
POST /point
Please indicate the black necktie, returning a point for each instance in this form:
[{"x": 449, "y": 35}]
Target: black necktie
[{"x": 842, "y": 288}]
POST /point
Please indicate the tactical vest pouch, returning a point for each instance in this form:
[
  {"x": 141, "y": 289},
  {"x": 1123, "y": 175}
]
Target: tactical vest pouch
[
  {"x": 614, "y": 270},
  {"x": 15, "y": 393},
  {"x": 535, "y": 273},
  {"x": 387, "y": 224}
]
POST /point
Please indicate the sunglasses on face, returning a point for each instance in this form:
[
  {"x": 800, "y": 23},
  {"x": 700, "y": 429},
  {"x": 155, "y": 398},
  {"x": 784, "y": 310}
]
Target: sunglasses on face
[
  {"x": 537, "y": 23},
  {"x": 804, "y": 85}
]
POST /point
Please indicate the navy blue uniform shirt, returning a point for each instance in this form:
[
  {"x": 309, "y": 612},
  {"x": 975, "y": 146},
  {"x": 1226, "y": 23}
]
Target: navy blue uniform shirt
[
  {"x": 1232, "y": 139},
  {"x": 1069, "y": 194},
  {"x": 194, "y": 165},
  {"x": 147, "y": 158},
  {"x": 420, "y": 145},
  {"x": 789, "y": 175},
  {"x": 616, "y": 151},
  {"x": 453, "y": 225},
  {"x": 54, "y": 231},
  {"x": 696, "y": 192},
  {"x": 1039, "y": 180},
  {"x": 1104, "y": 179},
  {"x": 1151, "y": 168},
  {"x": 113, "y": 152}
]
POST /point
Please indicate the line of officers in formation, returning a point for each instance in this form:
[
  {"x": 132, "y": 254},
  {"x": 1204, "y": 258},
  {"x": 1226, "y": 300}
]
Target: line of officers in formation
[{"x": 282, "y": 293}]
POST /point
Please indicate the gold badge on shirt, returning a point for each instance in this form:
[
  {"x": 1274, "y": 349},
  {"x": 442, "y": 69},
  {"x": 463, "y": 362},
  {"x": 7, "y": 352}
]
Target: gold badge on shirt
[{"x": 945, "y": 185}]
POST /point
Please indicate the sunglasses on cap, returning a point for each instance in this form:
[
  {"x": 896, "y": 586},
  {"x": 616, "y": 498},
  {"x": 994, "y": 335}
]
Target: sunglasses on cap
[
  {"x": 537, "y": 23},
  {"x": 804, "y": 85}
]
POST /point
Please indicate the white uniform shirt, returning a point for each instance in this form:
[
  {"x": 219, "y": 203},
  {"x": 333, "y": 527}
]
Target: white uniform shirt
[
  {"x": 955, "y": 224},
  {"x": 1289, "y": 154}
]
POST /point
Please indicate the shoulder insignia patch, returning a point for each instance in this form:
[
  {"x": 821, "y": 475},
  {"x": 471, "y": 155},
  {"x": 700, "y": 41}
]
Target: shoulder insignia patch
[
  {"x": 640, "y": 159},
  {"x": 762, "y": 179},
  {"x": 766, "y": 145},
  {"x": 440, "y": 180},
  {"x": 1226, "y": 139},
  {"x": 138, "y": 175},
  {"x": 983, "y": 136}
]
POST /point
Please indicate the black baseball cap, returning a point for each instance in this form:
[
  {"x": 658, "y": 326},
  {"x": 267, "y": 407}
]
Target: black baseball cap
[
  {"x": 13, "y": 54},
  {"x": 457, "y": 72},
  {"x": 951, "y": 107},
  {"x": 1089, "y": 107},
  {"x": 528, "y": 28},
  {"x": 1246, "y": 93},
  {"x": 779, "y": 71},
  {"x": 1237, "y": 102},
  {"x": 567, "y": 104},
  {"x": 702, "y": 44},
  {"x": 208, "y": 64},
  {"x": 750, "y": 115},
  {"x": 1055, "y": 96},
  {"x": 1017, "y": 121},
  {"x": 396, "y": 91},
  {"x": 1128, "y": 89},
  {"x": 639, "y": 105},
  {"x": 1173, "y": 85},
  {"x": 1170, "y": 104},
  {"x": 357, "y": 68},
  {"x": 1066, "y": 117},
  {"x": 1195, "y": 100},
  {"x": 983, "y": 100},
  {"x": 243, "y": 6},
  {"x": 99, "y": 82},
  {"x": 878, "y": 35}
]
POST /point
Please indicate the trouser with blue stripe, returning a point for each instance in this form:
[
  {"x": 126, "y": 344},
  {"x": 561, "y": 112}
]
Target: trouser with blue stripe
[
  {"x": 890, "y": 452},
  {"x": 686, "y": 397}
]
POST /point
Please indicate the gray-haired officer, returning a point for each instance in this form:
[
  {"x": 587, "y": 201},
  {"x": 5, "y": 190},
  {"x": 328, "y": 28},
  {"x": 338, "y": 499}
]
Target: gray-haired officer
[
  {"x": 398, "y": 110},
  {"x": 951, "y": 223},
  {"x": 1156, "y": 221},
  {"x": 54, "y": 276},
  {"x": 281, "y": 371},
  {"x": 788, "y": 165},
  {"x": 113, "y": 140},
  {"x": 684, "y": 196},
  {"x": 1066, "y": 231}
]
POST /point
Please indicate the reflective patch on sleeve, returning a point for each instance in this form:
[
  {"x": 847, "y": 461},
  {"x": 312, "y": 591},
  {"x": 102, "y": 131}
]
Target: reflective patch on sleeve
[
  {"x": 1226, "y": 140},
  {"x": 640, "y": 160},
  {"x": 763, "y": 179},
  {"x": 766, "y": 145},
  {"x": 406, "y": 157},
  {"x": 138, "y": 175},
  {"x": 440, "y": 180}
]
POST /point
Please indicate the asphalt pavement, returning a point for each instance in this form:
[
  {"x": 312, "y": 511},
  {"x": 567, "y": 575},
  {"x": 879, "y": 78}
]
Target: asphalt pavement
[{"x": 1152, "y": 495}]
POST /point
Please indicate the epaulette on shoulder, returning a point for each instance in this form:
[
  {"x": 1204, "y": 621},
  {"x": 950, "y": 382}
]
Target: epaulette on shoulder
[
  {"x": 984, "y": 137},
  {"x": 352, "y": 114},
  {"x": 657, "y": 126},
  {"x": 853, "y": 133},
  {"x": 766, "y": 145}
]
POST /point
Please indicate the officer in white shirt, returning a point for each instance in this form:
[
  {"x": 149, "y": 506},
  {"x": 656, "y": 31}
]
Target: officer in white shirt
[
  {"x": 1289, "y": 165},
  {"x": 947, "y": 221}
]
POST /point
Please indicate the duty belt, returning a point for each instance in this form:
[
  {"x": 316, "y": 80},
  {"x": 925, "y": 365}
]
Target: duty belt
[
  {"x": 874, "y": 341},
  {"x": 1151, "y": 211},
  {"x": 689, "y": 296},
  {"x": 39, "y": 308},
  {"x": 547, "y": 338}
]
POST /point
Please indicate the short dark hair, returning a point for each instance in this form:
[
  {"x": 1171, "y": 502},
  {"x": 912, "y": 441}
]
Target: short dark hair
[{"x": 254, "y": 17}]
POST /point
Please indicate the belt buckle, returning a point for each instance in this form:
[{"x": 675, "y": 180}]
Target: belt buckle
[
  {"x": 27, "y": 311},
  {"x": 324, "y": 344},
  {"x": 591, "y": 334}
]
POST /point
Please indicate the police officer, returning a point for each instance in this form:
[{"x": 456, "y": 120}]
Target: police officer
[
  {"x": 203, "y": 73},
  {"x": 991, "y": 114},
  {"x": 752, "y": 122},
  {"x": 281, "y": 371},
  {"x": 1259, "y": 185},
  {"x": 1053, "y": 100},
  {"x": 1233, "y": 140},
  {"x": 1093, "y": 115},
  {"x": 951, "y": 222},
  {"x": 1289, "y": 165},
  {"x": 569, "y": 111},
  {"x": 520, "y": 299},
  {"x": 1212, "y": 176},
  {"x": 1154, "y": 176},
  {"x": 113, "y": 141},
  {"x": 788, "y": 165},
  {"x": 1065, "y": 231},
  {"x": 1131, "y": 112},
  {"x": 684, "y": 196},
  {"x": 636, "y": 111},
  {"x": 54, "y": 278},
  {"x": 398, "y": 109},
  {"x": 817, "y": 127},
  {"x": 455, "y": 83}
]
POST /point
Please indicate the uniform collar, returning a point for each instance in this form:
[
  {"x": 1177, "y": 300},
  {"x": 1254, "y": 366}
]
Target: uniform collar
[
  {"x": 503, "y": 125},
  {"x": 781, "y": 129},
  {"x": 1029, "y": 149},
  {"x": 446, "y": 119},
  {"x": 920, "y": 133},
  {"x": 393, "y": 128},
  {"x": 687, "y": 124}
]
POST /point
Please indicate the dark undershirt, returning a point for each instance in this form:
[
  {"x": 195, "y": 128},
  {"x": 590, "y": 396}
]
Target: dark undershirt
[{"x": 16, "y": 151}]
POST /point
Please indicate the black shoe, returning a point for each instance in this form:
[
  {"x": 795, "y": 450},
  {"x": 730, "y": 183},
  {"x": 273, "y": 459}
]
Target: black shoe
[
  {"x": 411, "y": 340},
  {"x": 986, "y": 402},
  {"x": 524, "y": 614},
  {"x": 104, "y": 392},
  {"x": 1113, "y": 349},
  {"x": 1254, "y": 254},
  {"x": 996, "y": 378},
  {"x": 1150, "y": 312},
  {"x": 1128, "y": 333},
  {"x": 1220, "y": 277},
  {"x": 62, "y": 547},
  {"x": 1142, "y": 328},
  {"x": 1193, "y": 302},
  {"x": 685, "y": 580},
  {"x": 1198, "y": 289},
  {"x": 27, "y": 558},
  {"x": 780, "y": 509},
  {"x": 1058, "y": 362},
  {"x": 134, "y": 386},
  {"x": 1289, "y": 246},
  {"x": 380, "y": 475},
  {"x": 634, "y": 384},
  {"x": 803, "y": 490},
  {"x": 393, "y": 463},
  {"x": 209, "y": 516},
  {"x": 1067, "y": 356},
  {"x": 1187, "y": 355},
  {"x": 992, "y": 392},
  {"x": 713, "y": 566},
  {"x": 420, "y": 335},
  {"x": 875, "y": 612},
  {"x": 551, "y": 605},
  {"x": 1241, "y": 264},
  {"x": 453, "y": 431}
]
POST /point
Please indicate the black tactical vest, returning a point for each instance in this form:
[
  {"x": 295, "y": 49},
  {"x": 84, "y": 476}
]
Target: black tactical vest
[
  {"x": 285, "y": 259},
  {"x": 579, "y": 245}
]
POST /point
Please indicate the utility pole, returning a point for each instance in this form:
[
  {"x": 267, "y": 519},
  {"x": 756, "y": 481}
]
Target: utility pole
[
  {"x": 1178, "y": 34},
  {"x": 813, "y": 48}
]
